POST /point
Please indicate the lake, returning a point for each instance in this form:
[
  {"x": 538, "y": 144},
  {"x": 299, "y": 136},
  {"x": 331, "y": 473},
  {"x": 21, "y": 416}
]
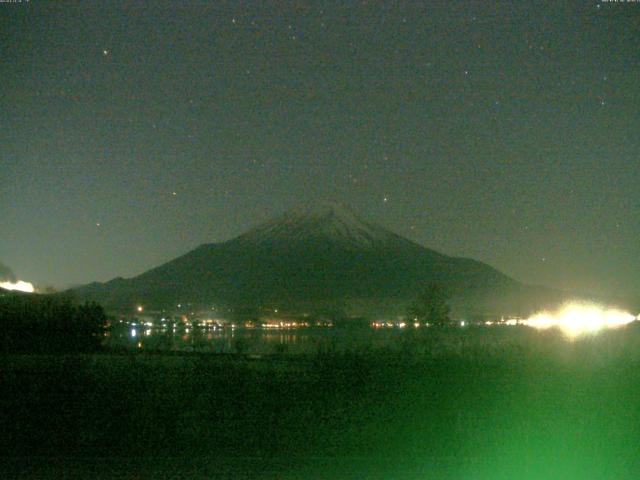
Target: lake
[{"x": 258, "y": 341}]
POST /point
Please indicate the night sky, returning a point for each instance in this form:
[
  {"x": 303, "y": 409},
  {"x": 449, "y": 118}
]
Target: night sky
[{"x": 508, "y": 132}]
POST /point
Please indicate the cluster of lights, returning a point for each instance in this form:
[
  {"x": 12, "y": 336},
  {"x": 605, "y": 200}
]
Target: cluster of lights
[
  {"x": 19, "y": 286},
  {"x": 576, "y": 319},
  {"x": 573, "y": 319},
  {"x": 277, "y": 324},
  {"x": 509, "y": 322},
  {"x": 389, "y": 324}
]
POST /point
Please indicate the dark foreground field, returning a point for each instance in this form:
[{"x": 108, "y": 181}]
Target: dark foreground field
[{"x": 500, "y": 404}]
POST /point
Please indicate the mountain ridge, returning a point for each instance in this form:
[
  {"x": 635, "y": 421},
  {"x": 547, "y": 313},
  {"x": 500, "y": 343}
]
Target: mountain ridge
[
  {"x": 330, "y": 221},
  {"x": 6, "y": 274},
  {"x": 307, "y": 256}
]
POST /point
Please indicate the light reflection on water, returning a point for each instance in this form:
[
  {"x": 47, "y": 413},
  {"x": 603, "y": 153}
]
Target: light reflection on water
[
  {"x": 253, "y": 341},
  {"x": 311, "y": 340}
]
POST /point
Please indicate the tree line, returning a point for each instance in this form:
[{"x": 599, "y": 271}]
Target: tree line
[{"x": 49, "y": 324}]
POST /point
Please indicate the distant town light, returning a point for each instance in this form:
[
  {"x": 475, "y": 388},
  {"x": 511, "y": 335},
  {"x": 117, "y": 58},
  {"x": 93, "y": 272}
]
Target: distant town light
[
  {"x": 575, "y": 319},
  {"x": 19, "y": 286}
]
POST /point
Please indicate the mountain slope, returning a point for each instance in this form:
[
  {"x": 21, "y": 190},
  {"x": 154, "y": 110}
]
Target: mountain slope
[
  {"x": 6, "y": 274},
  {"x": 306, "y": 257}
]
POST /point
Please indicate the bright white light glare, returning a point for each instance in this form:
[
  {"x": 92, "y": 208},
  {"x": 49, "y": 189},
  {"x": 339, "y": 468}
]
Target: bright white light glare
[
  {"x": 575, "y": 319},
  {"x": 19, "y": 285}
]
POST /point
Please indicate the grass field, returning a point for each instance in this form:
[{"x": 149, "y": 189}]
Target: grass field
[{"x": 471, "y": 404}]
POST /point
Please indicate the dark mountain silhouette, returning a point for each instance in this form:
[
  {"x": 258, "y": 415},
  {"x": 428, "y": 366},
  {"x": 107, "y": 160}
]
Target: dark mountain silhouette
[
  {"x": 6, "y": 274},
  {"x": 318, "y": 256}
]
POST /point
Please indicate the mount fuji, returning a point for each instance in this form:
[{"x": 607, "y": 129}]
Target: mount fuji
[{"x": 311, "y": 257}]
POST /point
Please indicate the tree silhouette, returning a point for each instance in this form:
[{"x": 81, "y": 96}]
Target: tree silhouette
[{"x": 430, "y": 307}]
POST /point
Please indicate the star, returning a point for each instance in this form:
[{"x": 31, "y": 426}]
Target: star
[{"x": 105, "y": 52}]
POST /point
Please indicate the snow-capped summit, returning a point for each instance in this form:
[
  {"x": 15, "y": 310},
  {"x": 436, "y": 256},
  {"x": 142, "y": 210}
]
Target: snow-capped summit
[{"x": 326, "y": 221}]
